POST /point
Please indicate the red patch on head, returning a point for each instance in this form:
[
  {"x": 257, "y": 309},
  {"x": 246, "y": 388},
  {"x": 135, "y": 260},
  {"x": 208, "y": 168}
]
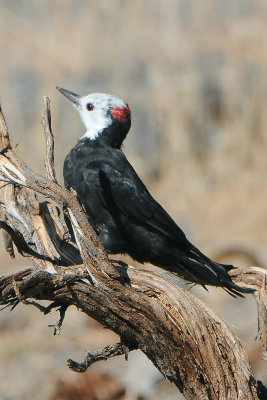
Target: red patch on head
[{"x": 121, "y": 113}]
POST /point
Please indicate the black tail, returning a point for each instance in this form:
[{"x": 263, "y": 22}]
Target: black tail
[
  {"x": 226, "y": 282},
  {"x": 200, "y": 269}
]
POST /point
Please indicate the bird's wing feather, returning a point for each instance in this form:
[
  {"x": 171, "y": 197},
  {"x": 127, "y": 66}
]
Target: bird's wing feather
[
  {"x": 124, "y": 192},
  {"x": 127, "y": 193}
]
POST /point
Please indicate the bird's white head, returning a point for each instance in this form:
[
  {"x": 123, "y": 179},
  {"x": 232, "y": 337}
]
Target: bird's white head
[{"x": 98, "y": 111}]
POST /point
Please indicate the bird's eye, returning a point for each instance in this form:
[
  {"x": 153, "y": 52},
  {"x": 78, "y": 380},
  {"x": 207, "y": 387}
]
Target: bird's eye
[{"x": 89, "y": 106}]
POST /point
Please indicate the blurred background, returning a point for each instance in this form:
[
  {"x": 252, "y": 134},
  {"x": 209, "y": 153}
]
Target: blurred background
[{"x": 195, "y": 77}]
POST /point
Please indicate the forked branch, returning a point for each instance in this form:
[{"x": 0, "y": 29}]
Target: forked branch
[{"x": 184, "y": 338}]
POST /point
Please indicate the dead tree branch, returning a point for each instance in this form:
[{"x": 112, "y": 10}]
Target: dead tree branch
[
  {"x": 117, "y": 349},
  {"x": 185, "y": 339},
  {"x": 49, "y": 159}
]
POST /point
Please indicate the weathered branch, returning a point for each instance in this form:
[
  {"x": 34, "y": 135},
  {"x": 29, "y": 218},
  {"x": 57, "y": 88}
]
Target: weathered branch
[
  {"x": 181, "y": 336},
  {"x": 58, "y": 325},
  {"x": 184, "y": 338},
  {"x": 4, "y": 141},
  {"x": 5, "y": 186},
  {"x": 117, "y": 349},
  {"x": 49, "y": 159}
]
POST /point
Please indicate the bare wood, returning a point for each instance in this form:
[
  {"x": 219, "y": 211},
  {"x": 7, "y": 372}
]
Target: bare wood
[
  {"x": 6, "y": 190},
  {"x": 90, "y": 358},
  {"x": 6, "y": 197},
  {"x": 49, "y": 159},
  {"x": 184, "y": 338},
  {"x": 4, "y": 142},
  {"x": 257, "y": 278}
]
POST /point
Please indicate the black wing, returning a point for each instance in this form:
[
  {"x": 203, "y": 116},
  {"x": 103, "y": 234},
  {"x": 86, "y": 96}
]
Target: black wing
[
  {"x": 123, "y": 190},
  {"x": 131, "y": 197}
]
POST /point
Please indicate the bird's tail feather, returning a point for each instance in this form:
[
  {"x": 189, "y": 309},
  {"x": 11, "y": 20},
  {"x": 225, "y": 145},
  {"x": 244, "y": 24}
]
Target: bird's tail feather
[{"x": 201, "y": 270}]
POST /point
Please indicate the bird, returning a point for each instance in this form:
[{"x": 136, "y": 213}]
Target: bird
[{"x": 125, "y": 216}]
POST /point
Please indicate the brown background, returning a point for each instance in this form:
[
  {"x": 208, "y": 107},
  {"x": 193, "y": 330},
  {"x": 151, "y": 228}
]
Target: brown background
[{"x": 195, "y": 77}]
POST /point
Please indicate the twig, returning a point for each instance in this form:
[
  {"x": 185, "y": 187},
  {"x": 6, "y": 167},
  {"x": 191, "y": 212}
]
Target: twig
[
  {"x": 44, "y": 310},
  {"x": 49, "y": 159},
  {"x": 90, "y": 358},
  {"x": 4, "y": 142},
  {"x": 57, "y": 327}
]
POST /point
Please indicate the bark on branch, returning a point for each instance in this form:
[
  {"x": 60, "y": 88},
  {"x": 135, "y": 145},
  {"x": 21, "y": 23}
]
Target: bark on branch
[{"x": 185, "y": 339}]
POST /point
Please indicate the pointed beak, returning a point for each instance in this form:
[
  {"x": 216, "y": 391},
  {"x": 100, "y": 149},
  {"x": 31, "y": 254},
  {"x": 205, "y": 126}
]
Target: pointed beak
[{"x": 74, "y": 98}]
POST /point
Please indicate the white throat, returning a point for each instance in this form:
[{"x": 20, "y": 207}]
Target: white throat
[{"x": 97, "y": 123}]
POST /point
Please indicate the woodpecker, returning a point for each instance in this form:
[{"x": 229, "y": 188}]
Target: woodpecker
[{"x": 120, "y": 208}]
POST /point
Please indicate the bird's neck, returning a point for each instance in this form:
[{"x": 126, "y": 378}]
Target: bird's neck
[{"x": 111, "y": 136}]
